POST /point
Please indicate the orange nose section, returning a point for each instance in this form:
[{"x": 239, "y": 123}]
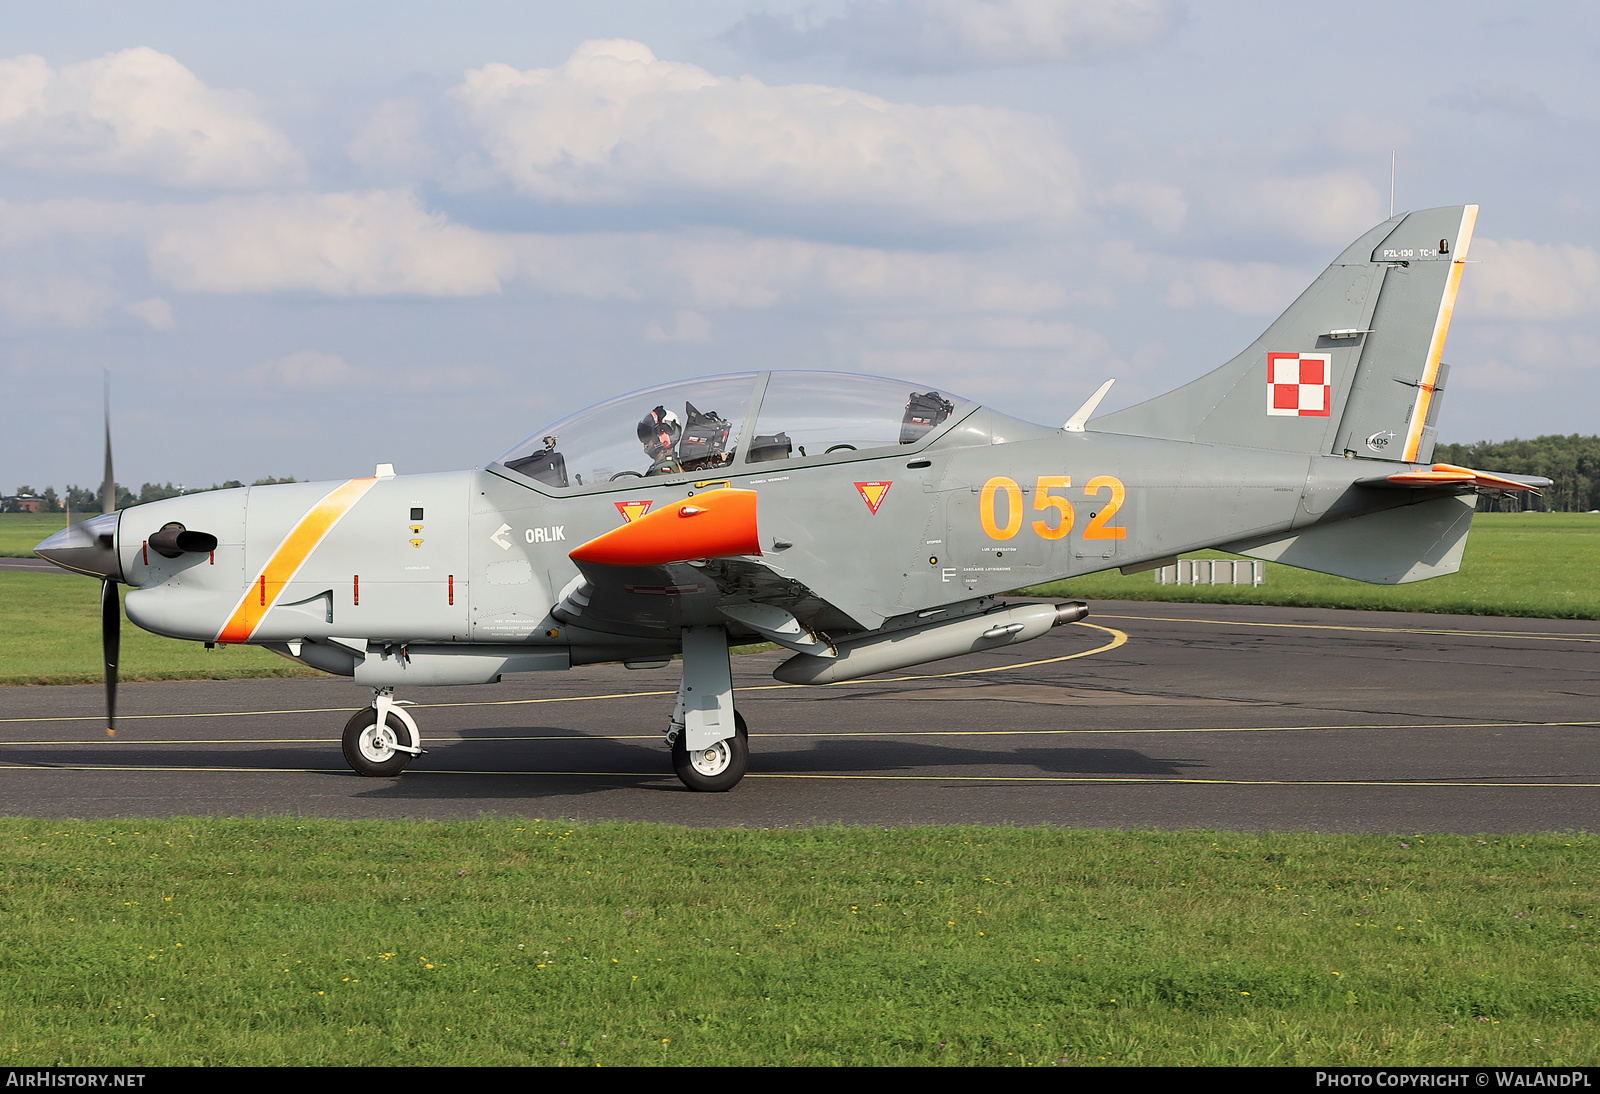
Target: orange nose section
[{"x": 715, "y": 524}]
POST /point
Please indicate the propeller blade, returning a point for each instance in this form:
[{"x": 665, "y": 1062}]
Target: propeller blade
[
  {"x": 111, "y": 647},
  {"x": 108, "y": 489}
]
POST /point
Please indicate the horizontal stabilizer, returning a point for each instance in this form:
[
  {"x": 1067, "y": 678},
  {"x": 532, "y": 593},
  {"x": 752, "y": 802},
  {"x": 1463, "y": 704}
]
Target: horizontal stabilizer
[
  {"x": 1411, "y": 542},
  {"x": 1448, "y": 475}
]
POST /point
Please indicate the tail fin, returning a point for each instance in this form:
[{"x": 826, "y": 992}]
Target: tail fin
[{"x": 1352, "y": 368}]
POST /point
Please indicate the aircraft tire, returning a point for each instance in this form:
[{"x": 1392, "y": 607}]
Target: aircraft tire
[
  {"x": 365, "y": 747},
  {"x": 715, "y": 769}
]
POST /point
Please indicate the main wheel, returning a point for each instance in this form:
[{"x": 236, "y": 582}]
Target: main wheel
[
  {"x": 369, "y": 748},
  {"x": 717, "y": 768}
]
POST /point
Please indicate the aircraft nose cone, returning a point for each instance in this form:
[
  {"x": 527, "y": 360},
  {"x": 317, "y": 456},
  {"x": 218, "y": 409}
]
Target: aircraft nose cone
[{"x": 87, "y": 548}]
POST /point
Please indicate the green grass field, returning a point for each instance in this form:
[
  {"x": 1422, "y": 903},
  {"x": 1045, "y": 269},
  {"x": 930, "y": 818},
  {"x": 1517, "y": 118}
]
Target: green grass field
[
  {"x": 50, "y": 634},
  {"x": 275, "y": 941},
  {"x": 21, "y": 532},
  {"x": 1534, "y": 564}
]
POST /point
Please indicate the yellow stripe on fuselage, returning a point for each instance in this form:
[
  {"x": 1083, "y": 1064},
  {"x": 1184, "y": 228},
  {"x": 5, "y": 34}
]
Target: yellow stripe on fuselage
[
  {"x": 286, "y": 561},
  {"x": 1441, "y": 330}
]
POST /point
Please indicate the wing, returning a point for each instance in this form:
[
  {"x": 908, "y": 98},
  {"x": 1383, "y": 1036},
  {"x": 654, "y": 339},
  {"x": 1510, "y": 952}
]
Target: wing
[
  {"x": 696, "y": 563},
  {"x": 752, "y": 599}
]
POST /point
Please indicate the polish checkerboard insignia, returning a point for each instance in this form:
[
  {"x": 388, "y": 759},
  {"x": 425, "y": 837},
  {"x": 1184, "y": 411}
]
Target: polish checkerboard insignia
[{"x": 1299, "y": 385}]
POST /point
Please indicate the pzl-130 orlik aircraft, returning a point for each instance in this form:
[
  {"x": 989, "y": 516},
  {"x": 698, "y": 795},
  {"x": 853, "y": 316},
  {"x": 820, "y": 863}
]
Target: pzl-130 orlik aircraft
[{"x": 865, "y": 524}]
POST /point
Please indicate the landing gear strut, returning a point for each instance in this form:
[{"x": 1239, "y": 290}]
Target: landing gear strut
[
  {"x": 381, "y": 739},
  {"x": 708, "y": 738}
]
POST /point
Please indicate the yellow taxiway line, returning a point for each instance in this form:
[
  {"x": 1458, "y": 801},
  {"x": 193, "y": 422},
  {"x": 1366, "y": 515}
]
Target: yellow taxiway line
[{"x": 1534, "y": 636}]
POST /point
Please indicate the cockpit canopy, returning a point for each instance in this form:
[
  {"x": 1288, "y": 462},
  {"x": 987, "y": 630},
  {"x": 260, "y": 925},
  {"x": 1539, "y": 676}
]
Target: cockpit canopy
[{"x": 698, "y": 426}]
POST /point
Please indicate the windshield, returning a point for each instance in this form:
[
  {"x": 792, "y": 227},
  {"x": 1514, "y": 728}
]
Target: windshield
[{"x": 691, "y": 425}]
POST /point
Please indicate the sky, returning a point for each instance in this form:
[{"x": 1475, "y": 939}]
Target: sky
[{"x": 307, "y": 238}]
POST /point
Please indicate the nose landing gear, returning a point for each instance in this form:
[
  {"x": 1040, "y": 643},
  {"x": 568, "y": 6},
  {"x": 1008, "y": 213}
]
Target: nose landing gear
[{"x": 380, "y": 740}]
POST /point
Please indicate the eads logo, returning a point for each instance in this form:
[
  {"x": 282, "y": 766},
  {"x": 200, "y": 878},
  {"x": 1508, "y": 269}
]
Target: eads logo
[{"x": 873, "y": 493}]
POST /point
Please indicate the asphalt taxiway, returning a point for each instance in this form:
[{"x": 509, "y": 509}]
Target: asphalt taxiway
[{"x": 1147, "y": 715}]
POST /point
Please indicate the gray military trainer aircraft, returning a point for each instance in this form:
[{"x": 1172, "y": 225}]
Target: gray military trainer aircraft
[{"x": 865, "y": 524}]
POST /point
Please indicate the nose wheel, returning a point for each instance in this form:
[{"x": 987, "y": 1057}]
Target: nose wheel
[{"x": 380, "y": 740}]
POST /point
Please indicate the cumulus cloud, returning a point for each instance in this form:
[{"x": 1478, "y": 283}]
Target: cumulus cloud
[
  {"x": 392, "y": 137},
  {"x": 687, "y": 326},
  {"x": 306, "y": 370},
  {"x": 1246, "y": 288},
  {"x": 137, "y": 114},
  {"x": 996, "y": 332},
  {"x": 387, "y": 243},
  {"x": 1161, "y": 206},
  {"x": 55, "y": 300},
  {"x": 614, "y": 124},
  {"x": 988, "y": 357},
  {"x": 710, "y": 269},
  {"x": 1331, "y": 207},
  {"x": 1507, "y": 356},
  {"x": 312, "y": 370},
  {"x": 1521, "y": 279},
  {"x": 35, "y": 223},
  {"x": 380, "y": 242},
  {"x": 1550, "y": 351},
  {"x": 155, "y": 312},
  {"x": 1493, "y": 97},
  {"x": 935, "y": 35}
]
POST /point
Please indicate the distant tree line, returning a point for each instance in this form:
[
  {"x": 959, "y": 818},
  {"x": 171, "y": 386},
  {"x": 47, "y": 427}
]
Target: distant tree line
[
  {"x": 1572, "y": 463},
  {"x": 84, "y": 500}
]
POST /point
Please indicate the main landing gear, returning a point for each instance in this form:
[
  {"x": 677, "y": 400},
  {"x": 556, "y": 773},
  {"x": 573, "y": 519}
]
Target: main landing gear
[
  {"x": 381, "y": 739},
  {"x": 709, "y": 740}
]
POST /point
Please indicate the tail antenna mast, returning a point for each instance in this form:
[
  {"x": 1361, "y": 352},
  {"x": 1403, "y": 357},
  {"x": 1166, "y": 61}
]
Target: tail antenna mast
[{"x": 1391, "y": 183}]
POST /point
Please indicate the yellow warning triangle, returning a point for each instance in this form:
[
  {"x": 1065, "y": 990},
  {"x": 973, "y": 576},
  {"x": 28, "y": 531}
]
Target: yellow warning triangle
[
  {"x": 873, "y": 493},
  {"x": 632, "y": 510}
]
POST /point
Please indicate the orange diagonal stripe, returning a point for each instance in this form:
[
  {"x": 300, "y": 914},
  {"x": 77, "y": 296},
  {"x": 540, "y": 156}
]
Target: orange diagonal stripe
[{"x": 264, "y": 588}]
